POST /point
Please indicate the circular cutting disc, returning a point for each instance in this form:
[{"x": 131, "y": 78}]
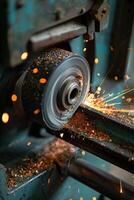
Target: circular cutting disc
[{"x": 53, "y": 87}]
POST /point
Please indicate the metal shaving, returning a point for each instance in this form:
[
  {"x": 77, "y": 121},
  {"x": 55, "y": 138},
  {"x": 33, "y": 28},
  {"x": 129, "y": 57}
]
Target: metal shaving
[
  {"x": 33, "y": 165},
  {"x": 81, "y": 123}
]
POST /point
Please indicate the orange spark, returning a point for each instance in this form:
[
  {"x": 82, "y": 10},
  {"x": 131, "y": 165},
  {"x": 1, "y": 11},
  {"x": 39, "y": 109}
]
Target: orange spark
[
  {"x": 42, "y": 80},
  {"x": 14, "y": 97},
  {"x": 35, "y": 70}
]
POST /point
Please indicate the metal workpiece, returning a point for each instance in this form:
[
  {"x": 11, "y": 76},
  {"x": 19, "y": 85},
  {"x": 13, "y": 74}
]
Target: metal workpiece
[
  {"x": 97, "y": 179},
  {"x": 122, "y": 131},
  {"x": 56, "y": 35},
  {"x": 95, "y": 137},
  {"x": 109, "y": 151},
  {"x": 52, "y": 88}
]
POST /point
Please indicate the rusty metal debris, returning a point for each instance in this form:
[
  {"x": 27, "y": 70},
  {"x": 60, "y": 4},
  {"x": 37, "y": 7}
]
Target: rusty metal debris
[{"x": 30, "y": 166}]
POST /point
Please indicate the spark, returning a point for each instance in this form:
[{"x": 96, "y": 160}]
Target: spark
[
  {"x": 61, "y": 135},
  {"x": 29, "y": 143},
  {"x": 111, "y": 94},
  {"x": 84, "y": 49},
  {"x": 126, "y": 77},
  {"x": 94, "y": 198},
  {"x": 83, "y": 153},
  {"x": 42, "y": 80},
  {"x": 129, "y": 100},
  {"x": 116, "y": 78},
  {"x": 111, "y": 48},
  {"x": 49, "y": 180},
  {"x": 115, "y": 110},
  {"x": 5, "y": 118},
  {"x": 99, "y": 89},
  {"x": 96, "y": 60},
  {"x": 109, "y": 109},
  {"x": 123, "y": 97},
  {"x": 24, "y": 55},
  {"x": 37, "y": 111},
  {"x": 116, "y": 97},
  {"x": 113, "y": 104},
  {"x": 35, "y": 70},
  {"x": 14, "y": 97},
  {"x": 108, "y": 96},
  {"x": 105, "y": 77},
  {"x": 121, "y": 190}
]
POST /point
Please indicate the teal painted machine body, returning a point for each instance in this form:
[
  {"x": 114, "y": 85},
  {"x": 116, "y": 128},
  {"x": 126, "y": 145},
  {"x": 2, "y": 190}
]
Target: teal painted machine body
[
  {"x": 21, "y": 20},
  {"x": 25, "y": 18}
]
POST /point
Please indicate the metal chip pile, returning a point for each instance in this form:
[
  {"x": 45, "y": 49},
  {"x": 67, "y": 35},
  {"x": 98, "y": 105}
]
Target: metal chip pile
[
  {"x": 30, "y": 166},
  {"x": 81, "y": 123}
]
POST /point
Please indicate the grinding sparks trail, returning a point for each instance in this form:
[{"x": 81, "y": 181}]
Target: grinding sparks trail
[
  {"x": 121, "y": 189},
  {"x": 113, "y": 104},
  {"x": 101, "y": 105},
  {"x": 116, "y": 110},
  {"x": 116, "y": 97},
  {"x": 106, "y": 104},
  {"x": 109, "y": 95},
  {"x": 103, "y": 80},
  {"x": 123, "y": 114},
  {"x": 96, "y": 103}
]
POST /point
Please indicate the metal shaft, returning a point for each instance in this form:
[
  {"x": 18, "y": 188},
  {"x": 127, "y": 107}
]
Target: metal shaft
[{"x": 97, "y": 179}]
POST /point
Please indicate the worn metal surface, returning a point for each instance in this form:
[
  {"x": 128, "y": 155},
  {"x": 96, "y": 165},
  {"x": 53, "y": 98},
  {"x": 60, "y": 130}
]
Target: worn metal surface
[{"x": 56, "y": 35}]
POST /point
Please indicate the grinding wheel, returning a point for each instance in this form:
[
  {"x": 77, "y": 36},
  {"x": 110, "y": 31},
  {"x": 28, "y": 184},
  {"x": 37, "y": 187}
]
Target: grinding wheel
[{"x": 52, "y": 88}]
